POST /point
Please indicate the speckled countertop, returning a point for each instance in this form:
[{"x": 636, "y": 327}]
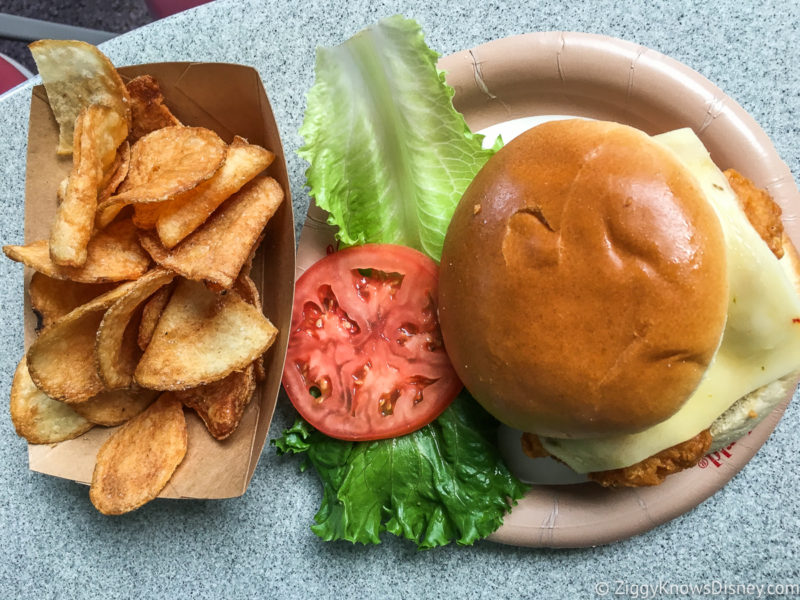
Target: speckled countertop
[{"x": 55, "y": 545}]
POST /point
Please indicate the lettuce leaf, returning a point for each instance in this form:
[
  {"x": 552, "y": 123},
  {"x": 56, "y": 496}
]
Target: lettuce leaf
[
  {"x": 390, "y": 157},
  {"x": 441, "y": 483},
  {"x": 389, "y": 160}
]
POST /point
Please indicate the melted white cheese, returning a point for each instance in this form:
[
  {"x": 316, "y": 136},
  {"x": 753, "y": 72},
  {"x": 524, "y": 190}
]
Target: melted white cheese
[{"x": 761, "y": 341}]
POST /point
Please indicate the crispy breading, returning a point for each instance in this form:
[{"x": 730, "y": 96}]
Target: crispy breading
[
  {"x": 650, "y": 471},
  {"x": 761, "y": 210},
  {"x": 532, "y": 446},
  {"x": 653, "y": 470}
]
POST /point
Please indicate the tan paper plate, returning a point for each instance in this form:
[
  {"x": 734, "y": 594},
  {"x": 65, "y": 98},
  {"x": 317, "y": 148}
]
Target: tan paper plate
[{"x": 599, "y": 77}]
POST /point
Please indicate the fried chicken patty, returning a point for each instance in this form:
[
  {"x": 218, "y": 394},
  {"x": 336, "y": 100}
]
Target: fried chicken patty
[
  {"x": 650, "y": 471},
  {"x": 761, "y": 210},
  {"x": 765, "y": 217},
  {"x": 654, "y": 469}
]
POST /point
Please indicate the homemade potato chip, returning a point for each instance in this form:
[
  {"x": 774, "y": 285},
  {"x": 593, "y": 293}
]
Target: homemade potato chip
[
  {"x": 76, "y": 75},
  {"x": 221, "y": 404},
  {"x": 112, "y": 408},
  {"x": 116, "y": 173},
  {"x": 151, "y": 314},
  {"x": 247, "y": 267},
  {"x": 216, "y": 252},
  {"x": 187, "y": 211},
  {"x": 113, "y": 254},
  {"x": 99, "y": 131},
  {"x": 137, "y": 461},
  {"x": 148, "y": 111},
  {"x": 61, "y": 192},
  {"x": 61, "y": 360},
  {"x": 145, "y": 215},
  {"x": 247, "y": 289},
  {"x": 116, "y": 352},
  {"x": 193, "y": 206},
  {"x": 166, "y": 162},
  {"x": 202, "y": 337},
  {"x": 37, "y": 417},
  {"x": 103, "y": 341},
  {"x": 54, "y": 298}
]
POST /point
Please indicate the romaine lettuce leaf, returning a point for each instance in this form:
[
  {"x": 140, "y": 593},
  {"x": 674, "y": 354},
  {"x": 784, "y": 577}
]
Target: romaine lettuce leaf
[
  {"x": 390, "y": 157},
  {"x": 441, "y": 483}
]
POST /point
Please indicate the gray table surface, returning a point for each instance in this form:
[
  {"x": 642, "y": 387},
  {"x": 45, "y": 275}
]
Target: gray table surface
[{"x": 53, "y": 544}]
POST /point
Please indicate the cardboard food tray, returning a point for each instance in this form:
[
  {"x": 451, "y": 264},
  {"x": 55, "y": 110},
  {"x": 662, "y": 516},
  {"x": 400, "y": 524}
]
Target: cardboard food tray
[
  {"x": 231, "y": 100},
  {"x": 593, "y": 76}
]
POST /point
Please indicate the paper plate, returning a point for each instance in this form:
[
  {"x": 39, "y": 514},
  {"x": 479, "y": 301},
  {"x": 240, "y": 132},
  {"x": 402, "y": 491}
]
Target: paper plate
[
  {"x": 577, "y": 74},
  {"x": 599, "y": 77}
]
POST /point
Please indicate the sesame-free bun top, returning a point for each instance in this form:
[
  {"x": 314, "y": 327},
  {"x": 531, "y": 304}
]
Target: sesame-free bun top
[{"x": 583, "y": 283}]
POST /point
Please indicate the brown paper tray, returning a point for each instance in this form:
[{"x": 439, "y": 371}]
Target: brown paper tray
[{"x": 231, "y": 100}]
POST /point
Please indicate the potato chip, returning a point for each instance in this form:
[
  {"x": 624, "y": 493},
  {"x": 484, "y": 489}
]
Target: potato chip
[
  {"x": 192, "y": 207},
  {"x": 259, "y": 369},
  {"x": 247, "y": 289},
  {"x": 116, "y": 352},
  {"x": 137, "y": 461},
  {"x": 76, "y": 75},
  {"x": 216, "y": 252},
  {"x": 61, "y": 360},
  {"x": 37, "y": 417},
  {"x": 187, "y": 211},
  {"x": 112, "y": 408},
  {"x": 113, "y": 254},
  {"x": 247, "y": 267},
  {"x": 99, "y": 131},
  {"x": 221, "y": 404},
  {"x": 164, "y": 163},
  {"x": 54, "y": 298},
  {"x": 145, "y": 215},
  {"x": 148, "y": 111},
  {"x": 202, "y": 337},
  {"x": 151, "y": 314},
  {"x": 116, "y": 174},
  {"x": 61, "y": 192}
]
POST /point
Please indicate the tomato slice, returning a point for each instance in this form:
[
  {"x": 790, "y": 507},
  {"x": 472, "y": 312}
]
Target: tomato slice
[{"x": 366, "y": 359}]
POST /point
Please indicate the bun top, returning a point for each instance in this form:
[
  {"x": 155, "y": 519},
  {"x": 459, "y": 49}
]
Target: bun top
[{"x": 583, "y": 283}]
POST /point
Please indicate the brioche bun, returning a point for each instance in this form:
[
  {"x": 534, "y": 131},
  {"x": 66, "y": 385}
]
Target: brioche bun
[{"x": 583, "y": 282}]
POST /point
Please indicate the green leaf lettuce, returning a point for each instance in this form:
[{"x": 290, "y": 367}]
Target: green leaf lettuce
[
  {"x": 390, "y": 157},
  {"x": 441, "y": 483}
]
